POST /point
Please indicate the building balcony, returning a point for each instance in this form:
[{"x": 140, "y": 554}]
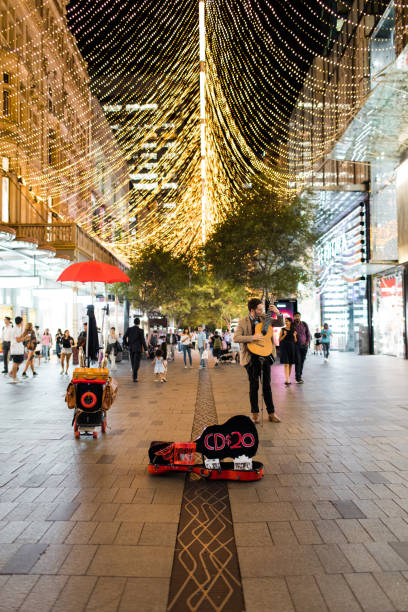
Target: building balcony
[{"x": 67, "y": 239}]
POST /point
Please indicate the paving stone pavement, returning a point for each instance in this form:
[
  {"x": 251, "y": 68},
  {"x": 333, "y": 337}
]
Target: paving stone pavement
[{"x": 84, "y": 527}]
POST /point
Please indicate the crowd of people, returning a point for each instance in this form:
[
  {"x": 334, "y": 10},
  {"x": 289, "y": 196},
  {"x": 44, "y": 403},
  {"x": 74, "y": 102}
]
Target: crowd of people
[{"x": 24, "y": 343}]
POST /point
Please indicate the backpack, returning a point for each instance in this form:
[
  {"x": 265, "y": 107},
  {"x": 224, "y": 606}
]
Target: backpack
[{"x": 217, "y": 343}]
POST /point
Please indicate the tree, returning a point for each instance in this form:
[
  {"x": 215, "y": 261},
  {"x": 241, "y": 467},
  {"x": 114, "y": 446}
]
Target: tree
[
  {"x": 157, "y": 278},
  {"x": 210, "y": 301},
  {"x": 263, "y": 244}
]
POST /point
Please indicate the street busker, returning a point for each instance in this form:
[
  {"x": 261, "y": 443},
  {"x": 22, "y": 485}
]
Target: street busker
[
  {"x": 245, "y": 334},
  {"x": 134, "y": 339}
]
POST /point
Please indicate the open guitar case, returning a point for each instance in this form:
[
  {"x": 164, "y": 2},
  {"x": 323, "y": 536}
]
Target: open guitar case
[{"x": 237, "y": 439}]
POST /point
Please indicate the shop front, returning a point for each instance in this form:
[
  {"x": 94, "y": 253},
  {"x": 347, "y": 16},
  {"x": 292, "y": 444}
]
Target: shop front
[
  {"x": 388, "y": 313},
  {"x": 339, "y": 254}
]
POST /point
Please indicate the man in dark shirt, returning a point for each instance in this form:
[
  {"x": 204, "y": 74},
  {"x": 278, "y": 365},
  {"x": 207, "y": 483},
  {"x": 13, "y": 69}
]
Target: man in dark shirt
[
  {"x": 134, "y": 339},
  {"x": 303, "y": 340}
]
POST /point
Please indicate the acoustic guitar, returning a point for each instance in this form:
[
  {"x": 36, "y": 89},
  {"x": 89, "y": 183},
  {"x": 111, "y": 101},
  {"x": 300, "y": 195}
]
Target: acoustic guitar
[{"x": 263, "y": 347}]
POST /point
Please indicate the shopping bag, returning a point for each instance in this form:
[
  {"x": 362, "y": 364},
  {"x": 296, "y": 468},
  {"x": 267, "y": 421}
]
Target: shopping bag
[{"x": 205, "y": 354}]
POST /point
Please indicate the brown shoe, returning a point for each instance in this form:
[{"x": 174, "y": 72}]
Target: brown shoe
[
  {"x": 274, "y": 418},
  {"x": 255, "y": 417}
]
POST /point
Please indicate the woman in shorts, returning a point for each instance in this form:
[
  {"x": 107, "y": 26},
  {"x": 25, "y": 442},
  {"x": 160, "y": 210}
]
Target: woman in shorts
[
  {"x": 66, "y": 351},
  {"x": 31, "y": 346}
]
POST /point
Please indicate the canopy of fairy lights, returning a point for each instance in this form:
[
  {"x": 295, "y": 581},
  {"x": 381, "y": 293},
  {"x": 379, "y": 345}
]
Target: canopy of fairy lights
[{"x": 200, "y": 110}]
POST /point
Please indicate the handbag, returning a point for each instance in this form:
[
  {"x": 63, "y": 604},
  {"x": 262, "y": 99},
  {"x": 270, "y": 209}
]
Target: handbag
[{"x": 205, "y": 354}]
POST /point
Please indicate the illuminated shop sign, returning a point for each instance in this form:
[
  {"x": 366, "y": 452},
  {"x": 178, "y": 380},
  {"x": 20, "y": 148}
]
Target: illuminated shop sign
[{"x": 332, "y": 249}]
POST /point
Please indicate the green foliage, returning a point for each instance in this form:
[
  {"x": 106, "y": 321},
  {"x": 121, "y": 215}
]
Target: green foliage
[
  {"x": 263, "y": 244},
  {"x": 156, "y": 278},
  {"x": 172, "y": 284}
]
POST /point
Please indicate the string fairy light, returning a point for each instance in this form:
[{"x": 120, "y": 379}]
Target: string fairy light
[{"x": 270, "y": 78}]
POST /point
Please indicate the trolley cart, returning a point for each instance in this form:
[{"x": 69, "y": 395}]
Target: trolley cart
[{"x": 90, "y": 394}]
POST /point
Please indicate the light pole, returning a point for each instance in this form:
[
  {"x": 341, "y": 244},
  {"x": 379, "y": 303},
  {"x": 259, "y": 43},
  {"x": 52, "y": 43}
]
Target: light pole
[{"x": 201, "y": 9}]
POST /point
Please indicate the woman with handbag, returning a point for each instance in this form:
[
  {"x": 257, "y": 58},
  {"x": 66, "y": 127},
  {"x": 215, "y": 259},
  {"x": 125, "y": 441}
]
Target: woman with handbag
[
  {"x": 30, "y": 344},
  {"x": 186, "y": 346}
]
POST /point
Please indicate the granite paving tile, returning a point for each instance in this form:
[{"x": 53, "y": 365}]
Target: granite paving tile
[
  {"x": 24, "y": 559},
  {"x": 278, "y": 560},
  {"x": 401, "y": 548},
  {"x": 147, "y": 594},
  {"x": 368, "y": 593},
  {"x": 306, "y": 594},
  {"x": 106, "y": 595},
  {"x": 267, "y": 594},
  {"x": 137, "y": 561},
  {"x": 395, "y": 586},
  {"x": 15, "y": 590},
  {"x": 337, "y": 594},
  {"x": 75, "y": 594},
  {"x": 44, "y": 594}
]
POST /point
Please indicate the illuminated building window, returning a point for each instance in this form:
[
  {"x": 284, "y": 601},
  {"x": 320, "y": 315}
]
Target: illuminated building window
[{"x": 6, "y": 103}]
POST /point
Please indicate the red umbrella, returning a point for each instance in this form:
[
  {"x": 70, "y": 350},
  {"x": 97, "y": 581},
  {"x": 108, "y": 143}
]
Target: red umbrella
[{"x": 93, "y": 271}]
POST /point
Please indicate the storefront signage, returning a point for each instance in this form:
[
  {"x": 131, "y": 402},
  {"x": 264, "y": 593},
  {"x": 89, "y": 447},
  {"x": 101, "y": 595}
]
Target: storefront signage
[{"x": 332, "y": 249}]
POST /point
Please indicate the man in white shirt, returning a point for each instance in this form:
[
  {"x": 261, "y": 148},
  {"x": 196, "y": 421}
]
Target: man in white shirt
[
  {"x": 17, "y": 347},
  {"x": 6, "y": 342},
  {"x": 171, "y": 341},
  {"x": 201, "y": 345}
]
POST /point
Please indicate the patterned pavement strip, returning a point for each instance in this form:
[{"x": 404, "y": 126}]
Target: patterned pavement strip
[{"x": 205, "y": 575}]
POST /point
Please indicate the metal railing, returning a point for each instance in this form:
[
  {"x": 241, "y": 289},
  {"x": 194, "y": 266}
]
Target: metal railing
[{"x": 66, "y": 236}]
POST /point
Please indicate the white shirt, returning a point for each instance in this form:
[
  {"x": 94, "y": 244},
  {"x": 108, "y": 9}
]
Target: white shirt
[
  {"x": 185, "y": 340},
  {"x": 16, "y": 348},
  {"x": 6, "y": 334}
]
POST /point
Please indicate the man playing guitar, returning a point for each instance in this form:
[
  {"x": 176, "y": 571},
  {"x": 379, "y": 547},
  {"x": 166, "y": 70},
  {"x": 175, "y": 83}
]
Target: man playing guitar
[{"x": 253, "y": 363}]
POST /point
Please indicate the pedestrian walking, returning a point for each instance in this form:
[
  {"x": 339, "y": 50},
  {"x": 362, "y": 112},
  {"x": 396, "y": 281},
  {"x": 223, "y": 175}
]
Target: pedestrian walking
[
  {"x": 287, "y": 348},
  {"x": 31, "y": 346},
  {"x": 159, "y": 367},
  {"x": 6, "y": 336},
  {"x": 193, "y": 336},
  {"x": 201, "y": 345},
  {"x": 18, "y": 338},
  {"x": 216, "y": 347},
  {"x": 46, "y": 340},
  {"x": 58, "y": 342},
  {"x": 66, "y": 351},
  {"x": 255, "y": 367},
  {"x": 301, "y": 346},
  {"x": 186, "y": 346},
  {"x": 171, "y": 341},
  {"x": 134, "y": 339},
  {"x": 326, "y": 336},
  {"x": 317, "y": 342},
  {"x": 37, "y": 343},
  {"x": 112, "y": 347}
]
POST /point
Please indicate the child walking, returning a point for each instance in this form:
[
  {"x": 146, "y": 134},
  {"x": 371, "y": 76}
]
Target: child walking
[{"x": 159, "y": 371}]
